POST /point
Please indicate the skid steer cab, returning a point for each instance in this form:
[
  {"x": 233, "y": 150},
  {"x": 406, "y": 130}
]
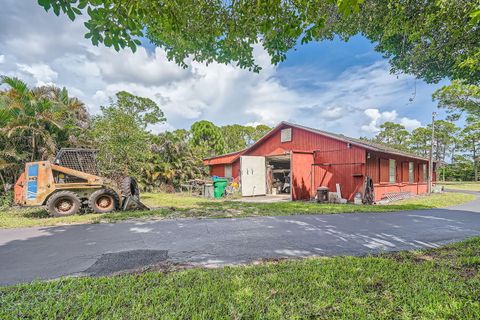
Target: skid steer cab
[{"x": 71, "y": 184}]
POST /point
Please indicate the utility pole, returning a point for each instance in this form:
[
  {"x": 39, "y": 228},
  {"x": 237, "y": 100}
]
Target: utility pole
[{"x": 430, "y": 162}]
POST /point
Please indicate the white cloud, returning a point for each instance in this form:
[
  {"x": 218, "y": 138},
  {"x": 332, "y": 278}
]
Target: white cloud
[
  {"x": 142, "y": 67},
  {"x": 42, "y": 73},
  {"x": 355, "y": 102},
  {"x": 333, "y": 113},
  {"x": 2, "y": 58},
  {"x": 410, "y": 124},
  {"x": 377, "y": 118}
]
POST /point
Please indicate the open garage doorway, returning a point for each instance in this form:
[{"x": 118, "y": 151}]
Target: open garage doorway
[{"x": 279, "y": 175}]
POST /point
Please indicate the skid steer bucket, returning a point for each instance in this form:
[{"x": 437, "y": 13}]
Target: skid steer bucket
[{"x": 133, "y": 203}]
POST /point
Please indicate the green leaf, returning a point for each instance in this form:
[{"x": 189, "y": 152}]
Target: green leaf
[
  {"x": 95, "y": 39},
  {"x": 132, "y": 46},
  {"x": 77, "y": 11},
  {"x": 45, "y": 4},
  {"x": 82, "y": 4},
  {"x": 71, "y": 14},
  {"x": 432, "y": 40},
  {"x": 56, "y": 8}
]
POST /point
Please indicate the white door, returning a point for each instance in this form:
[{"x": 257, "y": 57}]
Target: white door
[{"x": 253, "y": 176}]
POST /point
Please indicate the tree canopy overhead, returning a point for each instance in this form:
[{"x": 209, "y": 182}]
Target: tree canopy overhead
[
  {"x": 431, "y": 39},
  {"x": 207, "y": 30}
]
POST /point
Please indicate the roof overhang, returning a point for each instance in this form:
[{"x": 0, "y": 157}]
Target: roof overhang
[{"x": 232, "y": 157}]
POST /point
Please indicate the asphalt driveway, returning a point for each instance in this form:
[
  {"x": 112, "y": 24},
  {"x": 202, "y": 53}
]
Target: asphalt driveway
[{"x": 102, "y": 249}]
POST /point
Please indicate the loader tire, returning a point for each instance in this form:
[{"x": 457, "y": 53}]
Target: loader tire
[
  {"x": 129, "y": 188},
  {"x": 103, "y": 201},
  {"x": 63, "y": 203}
]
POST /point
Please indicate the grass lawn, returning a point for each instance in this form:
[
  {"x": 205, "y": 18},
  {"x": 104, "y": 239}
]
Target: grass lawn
[
  {"x": 459, "y": 185},
  {"x": 182, "y": 206},
  {"x": 441, "y": 283}
]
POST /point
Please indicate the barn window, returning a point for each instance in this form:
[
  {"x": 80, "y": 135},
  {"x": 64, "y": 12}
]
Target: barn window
[
  {"x": 228, "y": 171},
  {"x": 410, "y": 172},
  {"x": 286, "y": 135},
  {"x": 392, "y": 171},
  {"x": 425, "y": 172}
]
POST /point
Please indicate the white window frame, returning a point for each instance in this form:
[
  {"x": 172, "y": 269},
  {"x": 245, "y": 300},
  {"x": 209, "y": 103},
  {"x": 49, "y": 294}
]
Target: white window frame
[
  {"x": 411, "y": 175},
  {"x": 286, "y": 135},
  {"x": 228, "y": 171},
  {"x": 425, "y": 172},
  {"x": 392, "y": 170}
]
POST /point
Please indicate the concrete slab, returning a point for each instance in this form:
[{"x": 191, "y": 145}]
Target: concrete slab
[{"x": 266, "y": 199}]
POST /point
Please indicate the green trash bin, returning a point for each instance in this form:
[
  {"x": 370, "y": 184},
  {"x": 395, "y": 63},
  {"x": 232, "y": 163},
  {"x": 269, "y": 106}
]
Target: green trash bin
[{"x": 219, "y": 185}]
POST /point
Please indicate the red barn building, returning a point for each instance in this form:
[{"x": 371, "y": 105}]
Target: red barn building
[{"x": 312, "y": 158}]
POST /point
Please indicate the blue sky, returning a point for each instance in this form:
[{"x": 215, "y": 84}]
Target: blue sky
[
  {"x": 333, "y": 56},
  {"x": 344, "y": 87},
  {"x": 329, "y": 59}
]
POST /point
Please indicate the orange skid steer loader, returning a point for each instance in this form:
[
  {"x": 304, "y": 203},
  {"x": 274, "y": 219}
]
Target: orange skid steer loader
[{"x": 72, "y": 183}]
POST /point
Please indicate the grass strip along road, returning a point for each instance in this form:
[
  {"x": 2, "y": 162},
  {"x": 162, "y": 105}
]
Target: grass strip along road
[
  {"x": 461, "y": 185},
  {"x": 442, "y": 283},
  {"x": 184, "y": 206}
]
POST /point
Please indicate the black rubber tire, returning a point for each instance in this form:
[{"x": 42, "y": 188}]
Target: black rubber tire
[
  {"x": 129, "y": 188},
  {"x": 103, "y": 201},
  {"x": 63, "y": 199}
]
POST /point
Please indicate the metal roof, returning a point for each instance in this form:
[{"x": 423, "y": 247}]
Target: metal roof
[
  {"x": 231, "y": 157},
  {"x": 373, "y": 146}
]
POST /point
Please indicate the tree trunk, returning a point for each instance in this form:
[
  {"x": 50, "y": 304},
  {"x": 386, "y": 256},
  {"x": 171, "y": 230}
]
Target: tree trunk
[
  {"x": 453, "y": 152},
  {"x": 475, "y": 167},
  {"x": 33, "y": 146},
  {"x": 4, "y": 184}
]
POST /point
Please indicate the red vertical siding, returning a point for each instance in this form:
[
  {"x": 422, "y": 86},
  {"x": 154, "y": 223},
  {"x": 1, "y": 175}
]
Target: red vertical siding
[
  {"x": 373, "y": 167},
  {"x": 378, "y": 169},
  {"x": 346, "y": 163},
  {"x": 301, "y": 164},
  {"x": 217, "y": 170},
  {"x": 334, "y": 161},
  {"x": 342, "y": 155},
  {"x": 236, "y": 169},
  {"x": 406, "y": 172},
  {"x": 420, "y": 173},
  {"x": 302, "y": 140},
  {"x": 350, "y": 178},
  {"x": 345, "y": 166},
  {"x": 384, "y": 170}
]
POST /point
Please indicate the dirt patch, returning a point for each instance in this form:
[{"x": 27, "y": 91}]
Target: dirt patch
[{"x": 126, "y": 261}]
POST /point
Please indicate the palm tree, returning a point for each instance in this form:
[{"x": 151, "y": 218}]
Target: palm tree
[
  {"x": 75, "y": 109},
  {"x": 10, "y": 164},
  {"x": 74, "y": 117},
  {"x": 28, "y": 116},
  {"x": 43, "y": 116}
]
